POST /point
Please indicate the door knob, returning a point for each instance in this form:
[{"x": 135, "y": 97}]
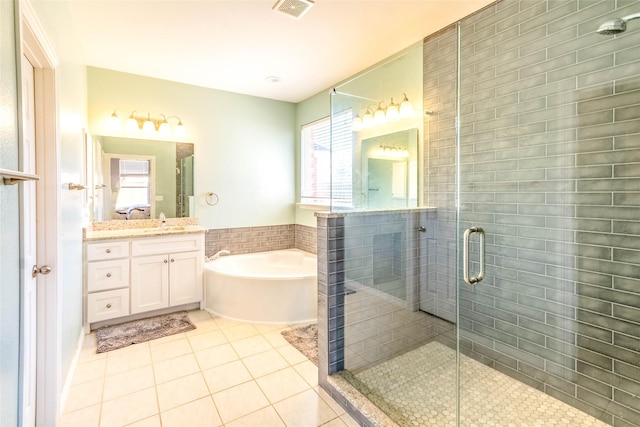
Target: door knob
[{"x": 45, "y": 269}]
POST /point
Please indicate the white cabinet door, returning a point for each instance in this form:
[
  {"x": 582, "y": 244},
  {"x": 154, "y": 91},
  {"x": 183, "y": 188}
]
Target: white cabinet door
[
  {"x": 149, "y": 283},
  {"x": 185, "y": 271}
]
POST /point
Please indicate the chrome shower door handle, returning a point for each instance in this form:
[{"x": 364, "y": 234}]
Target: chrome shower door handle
[{"x": 465, "y": 254}]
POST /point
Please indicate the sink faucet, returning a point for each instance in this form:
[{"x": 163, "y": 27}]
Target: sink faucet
[{"x": 163, "y": 220}]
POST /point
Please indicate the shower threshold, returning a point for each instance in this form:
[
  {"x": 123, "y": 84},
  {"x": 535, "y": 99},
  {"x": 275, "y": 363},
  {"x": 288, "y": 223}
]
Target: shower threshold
[{"x": 418, "y": 388}]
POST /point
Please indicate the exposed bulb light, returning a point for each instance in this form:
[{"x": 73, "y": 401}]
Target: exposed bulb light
[{"x": 406, "y": 108}]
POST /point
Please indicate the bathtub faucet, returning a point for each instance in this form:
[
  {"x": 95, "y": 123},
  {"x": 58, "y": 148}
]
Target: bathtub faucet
[{"x": 219, "y": 254}]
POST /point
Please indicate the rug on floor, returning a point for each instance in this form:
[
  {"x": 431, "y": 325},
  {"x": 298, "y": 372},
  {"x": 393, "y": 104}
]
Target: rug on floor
[
  {"x": 137, "y": 331},
  {"x": 305, "y": 340}
]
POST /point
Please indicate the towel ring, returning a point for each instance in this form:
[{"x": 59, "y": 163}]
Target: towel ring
[{"x": 210, "y": 199}]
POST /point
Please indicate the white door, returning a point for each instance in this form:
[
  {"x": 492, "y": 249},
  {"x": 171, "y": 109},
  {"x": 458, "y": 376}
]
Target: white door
[{"x": 29, "y": 248}]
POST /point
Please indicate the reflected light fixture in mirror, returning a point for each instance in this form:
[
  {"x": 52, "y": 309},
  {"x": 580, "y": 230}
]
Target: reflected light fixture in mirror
[
  {"x": 393, "y": 151},
  {"x": 380, "y": 114},
  {"x": 147, "y": 124}
]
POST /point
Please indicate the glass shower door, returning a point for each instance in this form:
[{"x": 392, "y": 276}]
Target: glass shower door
[
  {"x": 387, "y": 338},
  {"x": 548, "y": 166}
]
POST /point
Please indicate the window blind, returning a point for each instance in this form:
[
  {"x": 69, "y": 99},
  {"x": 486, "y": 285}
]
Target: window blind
[{"x": 320, "y": 163}]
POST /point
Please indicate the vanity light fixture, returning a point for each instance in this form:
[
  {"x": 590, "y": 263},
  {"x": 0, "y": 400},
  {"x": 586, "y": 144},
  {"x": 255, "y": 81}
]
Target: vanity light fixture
[
  {"x": 381, "y": 113},
  {"x": 147, "y": 124},
  {"x": 392, "y": 151}
]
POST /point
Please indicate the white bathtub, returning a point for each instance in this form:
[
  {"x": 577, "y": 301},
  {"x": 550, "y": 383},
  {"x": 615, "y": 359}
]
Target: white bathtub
[{"x": 265, "y": 287}]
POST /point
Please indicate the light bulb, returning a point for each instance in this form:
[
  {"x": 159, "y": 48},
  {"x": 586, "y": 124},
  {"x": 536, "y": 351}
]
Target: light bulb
[
  {"x": 180, "y": 130},
  {"x": 392, "y": 112},
  {"x": 114, "y": 121},
  {"x": 379, "y": 116},
  {"x": 132, "y": 124},
  {"x": 367, "y": 120},
  {"x": 406, "y": 108},
  {"x": 356, "y": 124},
  {"x": 164, "y": 128},
  {"x": 148, "y": 125}
]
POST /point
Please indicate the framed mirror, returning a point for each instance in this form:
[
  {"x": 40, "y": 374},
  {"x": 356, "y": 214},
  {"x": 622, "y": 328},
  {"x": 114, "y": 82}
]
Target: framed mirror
[
  {"x": 139, "y": 179},
  {"x": 389, "y": 170}
]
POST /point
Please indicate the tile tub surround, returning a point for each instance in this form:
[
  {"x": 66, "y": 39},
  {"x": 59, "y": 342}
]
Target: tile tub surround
[
  {"x": 550, "y": 116},
  {"x": 244, "y": 240}
]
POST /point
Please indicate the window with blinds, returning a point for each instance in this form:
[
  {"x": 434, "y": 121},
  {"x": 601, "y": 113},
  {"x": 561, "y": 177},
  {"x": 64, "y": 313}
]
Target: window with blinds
[
  {"x": 316, "y": 163},
  {"x": 134, "y": 183}
]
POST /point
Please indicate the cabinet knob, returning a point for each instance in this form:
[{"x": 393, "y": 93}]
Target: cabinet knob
[
  {"x": 108, "y": 274},
  {"x": 165, "y": 261},
  {"x": 172, "y": 260},
  {"x": 108, "y": 251},
  {"x": 109, "y": 305}
]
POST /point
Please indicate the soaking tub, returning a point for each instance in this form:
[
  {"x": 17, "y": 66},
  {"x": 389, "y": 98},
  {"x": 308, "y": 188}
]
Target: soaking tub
[{"x": 265, "y": 287}]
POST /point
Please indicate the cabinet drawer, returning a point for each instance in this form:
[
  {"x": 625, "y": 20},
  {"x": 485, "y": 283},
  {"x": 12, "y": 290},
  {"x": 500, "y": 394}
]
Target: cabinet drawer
[
  {"x": 105, "y": 275},
  {"x": 107, "y": 305},
  {"x": 107, "y": 250},
  {"x": 165, "y": 245}
]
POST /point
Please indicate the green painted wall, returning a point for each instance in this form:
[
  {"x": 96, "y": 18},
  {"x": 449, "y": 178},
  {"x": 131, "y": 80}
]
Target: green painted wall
[{"x": 244, "y": 145}]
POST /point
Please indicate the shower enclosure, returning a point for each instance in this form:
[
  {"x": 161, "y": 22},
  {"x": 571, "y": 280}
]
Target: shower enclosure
[
  {"x": 184, "y": 180},
  {"x": 512, "y": 293}
]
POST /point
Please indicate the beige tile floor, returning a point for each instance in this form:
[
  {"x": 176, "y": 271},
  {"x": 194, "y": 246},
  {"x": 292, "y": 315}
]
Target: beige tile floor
[{"x": 223, "y": 373}]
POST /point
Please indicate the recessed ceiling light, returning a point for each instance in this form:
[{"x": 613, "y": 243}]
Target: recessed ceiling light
[{"x": 273, "y": 79}]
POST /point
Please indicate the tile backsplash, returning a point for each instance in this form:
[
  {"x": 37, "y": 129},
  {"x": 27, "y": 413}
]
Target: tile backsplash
[{"x": 244, "y": 240}]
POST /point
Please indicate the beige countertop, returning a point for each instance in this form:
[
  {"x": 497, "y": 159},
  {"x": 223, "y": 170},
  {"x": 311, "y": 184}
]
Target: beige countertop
[{"x": 93, "y": 235}]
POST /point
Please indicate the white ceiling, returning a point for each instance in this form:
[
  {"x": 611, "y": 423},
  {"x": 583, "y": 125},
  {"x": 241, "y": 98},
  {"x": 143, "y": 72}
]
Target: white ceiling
[{"x": 233, "y": 45}]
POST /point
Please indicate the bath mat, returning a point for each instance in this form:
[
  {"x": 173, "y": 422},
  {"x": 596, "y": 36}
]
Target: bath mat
[
  {"x": 122, "y": 335},
  {"x": 305, "y": 340}
]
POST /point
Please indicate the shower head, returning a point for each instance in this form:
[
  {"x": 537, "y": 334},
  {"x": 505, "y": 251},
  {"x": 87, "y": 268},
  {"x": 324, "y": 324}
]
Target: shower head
[
  {"x": 614, "y": 26},
  {"x": 617, "y": 25}
]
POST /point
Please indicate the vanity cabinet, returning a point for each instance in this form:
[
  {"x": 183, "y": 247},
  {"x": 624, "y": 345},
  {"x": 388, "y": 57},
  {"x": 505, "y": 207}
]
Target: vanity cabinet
[
  {"x": 107, "y": 284},
  {"x": 166, "y": 272},
  {"x": 137, "y": 275}
]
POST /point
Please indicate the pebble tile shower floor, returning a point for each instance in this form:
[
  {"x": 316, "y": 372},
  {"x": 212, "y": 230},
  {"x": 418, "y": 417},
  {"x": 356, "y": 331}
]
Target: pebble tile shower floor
[{"x": 418, "y": 389}]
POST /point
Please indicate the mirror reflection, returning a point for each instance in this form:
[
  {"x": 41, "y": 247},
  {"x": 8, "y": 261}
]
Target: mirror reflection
[
  {"x": 139, "y": 179},
  {"x": 390, "y": 170}
]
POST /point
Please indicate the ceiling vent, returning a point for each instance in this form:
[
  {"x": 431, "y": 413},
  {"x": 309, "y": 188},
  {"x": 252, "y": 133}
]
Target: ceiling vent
[{"x": 295, "y": 8}]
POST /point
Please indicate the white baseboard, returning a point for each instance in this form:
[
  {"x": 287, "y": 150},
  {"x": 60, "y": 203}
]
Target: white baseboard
[{"x": 64, "y": 393}]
